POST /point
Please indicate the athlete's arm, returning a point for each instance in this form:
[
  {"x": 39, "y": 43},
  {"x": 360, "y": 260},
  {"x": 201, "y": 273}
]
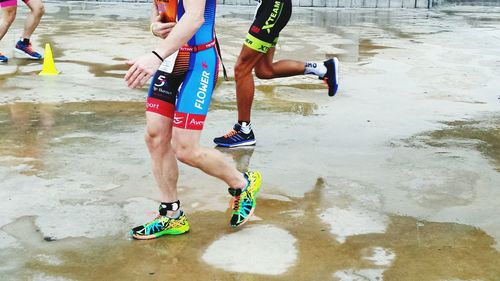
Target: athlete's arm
[
  {"x": 187, "y": 26},
  {"x": 161, "y": 29},
  {"x": 158, "y": 28},
  {"x": 144, "y": 67},
  {"x": 154, "y": 12}
]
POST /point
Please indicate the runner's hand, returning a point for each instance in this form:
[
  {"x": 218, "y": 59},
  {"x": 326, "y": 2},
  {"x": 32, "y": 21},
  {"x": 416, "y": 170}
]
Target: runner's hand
[
  {"x": 161, "y": 29},
  {"x": 141, "y": 70}
]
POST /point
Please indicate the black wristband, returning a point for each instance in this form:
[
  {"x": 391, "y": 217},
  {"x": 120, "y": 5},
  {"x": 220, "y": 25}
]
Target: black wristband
[{"x": 156, "y": 54}]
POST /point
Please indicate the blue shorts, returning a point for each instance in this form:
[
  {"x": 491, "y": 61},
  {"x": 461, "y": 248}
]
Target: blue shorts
[{"x": 184, "y": 95}]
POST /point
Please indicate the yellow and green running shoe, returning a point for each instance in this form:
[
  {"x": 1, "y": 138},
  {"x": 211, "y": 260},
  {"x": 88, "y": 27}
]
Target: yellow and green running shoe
[
  {"x": 161, "y": 225},
  {"x": 245, "y": 200}
]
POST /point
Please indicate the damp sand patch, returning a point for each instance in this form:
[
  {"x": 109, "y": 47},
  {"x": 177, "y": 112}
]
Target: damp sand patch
[{"x": 482, "y": 135}]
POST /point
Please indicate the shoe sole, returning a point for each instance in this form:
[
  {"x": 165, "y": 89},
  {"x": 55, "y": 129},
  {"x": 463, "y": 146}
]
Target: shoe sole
[
  {"x": 24, "y": 55},
  {"x": 336, "y": 61},
  {"x": 176, "y": 231},
  {"x": 336, "y": 76},
  {"x": 258, "y": 182},
  {"x": 246, "y": 143}
]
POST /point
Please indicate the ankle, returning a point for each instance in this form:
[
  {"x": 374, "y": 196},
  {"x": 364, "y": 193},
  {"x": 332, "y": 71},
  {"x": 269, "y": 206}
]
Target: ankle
[
  {"x": 315, "y": 68},
  {"x": 174, "y": 214},
  {"x": 246, "y": 126},
  {"x": 243, "y": 184},
  {"x": 169, "y": 209}
]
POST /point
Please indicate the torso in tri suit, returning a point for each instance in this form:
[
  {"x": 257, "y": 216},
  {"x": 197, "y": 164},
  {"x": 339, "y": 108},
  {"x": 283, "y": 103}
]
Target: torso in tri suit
[
  {"x": 184, "y": 95},
  {"x": 173, "y": 10}
]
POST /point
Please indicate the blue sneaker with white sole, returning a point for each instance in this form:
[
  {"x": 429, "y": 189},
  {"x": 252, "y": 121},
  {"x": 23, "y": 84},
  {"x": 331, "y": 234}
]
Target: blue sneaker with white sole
[
  {"x": 3, "y": 58},
  {"x": 236, "y": 137},
  {"x": 26, "y": 51},
  {"x": 331, "y": 77}
]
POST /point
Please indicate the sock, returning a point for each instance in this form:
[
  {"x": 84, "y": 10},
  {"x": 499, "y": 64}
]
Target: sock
[
  {"x": 246, "y": 127},
  {"x": 315, "y": 68},
  {"x": 176, "y": 216},
  {"x": 235, "y": 191},
  {"x": 26, "y": 41},
  {"x": 172, "y": 206}
]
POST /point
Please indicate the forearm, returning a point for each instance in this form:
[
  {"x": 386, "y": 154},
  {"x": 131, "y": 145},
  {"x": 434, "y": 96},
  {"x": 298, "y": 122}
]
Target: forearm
[
  {"x": 154, "y": 13},
  {"x": 181, "y": 33}
]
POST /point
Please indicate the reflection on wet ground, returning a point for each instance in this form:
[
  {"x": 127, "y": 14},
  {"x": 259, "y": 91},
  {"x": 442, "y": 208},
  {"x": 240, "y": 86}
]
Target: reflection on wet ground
[
  {"x": 83, "y": 167},
  {"x": 444, "y": 250},
  {"x": 483, "y": 135},
  {"x": 275, "y": 98},
  {"x": 367, "y": 48},
  {"x": 103, "y": 69},
  {"x": 28, "y": 131}
]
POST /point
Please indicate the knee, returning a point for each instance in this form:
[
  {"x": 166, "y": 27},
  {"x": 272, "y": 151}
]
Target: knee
[
  {"x": 39, "y": 11},
  {"x": 238, "y": 71},
  {"x": 242, "y": 68},
  {"x": 264, "y": 73},
  {"x": 156, "y": 138},
  {"x": 9, "y": 15},
  {"x": 187, "y": 154}
]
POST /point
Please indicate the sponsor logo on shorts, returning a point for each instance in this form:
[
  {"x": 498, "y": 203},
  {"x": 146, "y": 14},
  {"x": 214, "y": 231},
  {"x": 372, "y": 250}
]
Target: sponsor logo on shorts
[
  {"x": 162, "y": 91},
  {"x": 178, "y": 119},
  {"x": 248, "y": 41},
  {"x": 255, "y": 29},
  {"x": 196, "y": 123},
  {"x": 189, "y": 121},
  {"x": 152, "y": 105},
  {"x": 161, "y": 87},
  {"x": 204, "y": 65},
  {"x": 260, "y": 47},
  {"x": 271, "y": 21},
  {"x": 159, "y": 106},
  {"x": 201, "y": 94},
  {"x": 264, "y": 48},
  {"x": 161, "y": 81}
]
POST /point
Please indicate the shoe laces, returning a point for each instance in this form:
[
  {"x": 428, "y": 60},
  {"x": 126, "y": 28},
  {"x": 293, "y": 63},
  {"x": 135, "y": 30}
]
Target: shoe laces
[
  {"x": 236, "y": 203},
  {"x": 230, "y": 134},
  {"x": 29, "y": 48},
  {"x": 153, "y": 221}
]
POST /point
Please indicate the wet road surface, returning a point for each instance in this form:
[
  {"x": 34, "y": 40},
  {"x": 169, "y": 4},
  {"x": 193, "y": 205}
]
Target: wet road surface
[{"x": 395, "y": 178}]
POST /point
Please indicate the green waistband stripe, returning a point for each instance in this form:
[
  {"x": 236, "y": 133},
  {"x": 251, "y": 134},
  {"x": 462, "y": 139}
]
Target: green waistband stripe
[{"x": 258, "y": 45}]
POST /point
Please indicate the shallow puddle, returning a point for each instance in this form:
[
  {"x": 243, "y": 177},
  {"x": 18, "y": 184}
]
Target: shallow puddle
[
  {"x": 364, "y": 187},
  {"x": 444, "y": 250}
]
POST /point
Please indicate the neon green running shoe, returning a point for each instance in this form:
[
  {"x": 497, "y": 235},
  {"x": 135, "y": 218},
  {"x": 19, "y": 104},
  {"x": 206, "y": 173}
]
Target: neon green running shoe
[
  {"x": 245, "y": 200},
  {"x": 161, "y": 225}
]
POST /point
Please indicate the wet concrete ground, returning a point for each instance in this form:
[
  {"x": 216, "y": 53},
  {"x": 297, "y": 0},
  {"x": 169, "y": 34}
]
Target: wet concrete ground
[{"x": 396, "y": 178}]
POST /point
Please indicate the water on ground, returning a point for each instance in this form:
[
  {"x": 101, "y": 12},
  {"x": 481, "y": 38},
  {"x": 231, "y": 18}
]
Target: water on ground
[{"x": 395, "y": 178}]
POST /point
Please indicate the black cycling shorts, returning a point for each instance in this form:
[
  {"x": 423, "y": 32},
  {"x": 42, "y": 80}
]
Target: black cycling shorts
[{"x": 270, "y": 18}]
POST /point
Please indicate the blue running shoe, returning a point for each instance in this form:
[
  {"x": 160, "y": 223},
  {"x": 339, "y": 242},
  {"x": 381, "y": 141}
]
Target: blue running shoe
[
  {"x": 26, "y": 50},
  {"x": 331, "y": 77},
  {"x": 3, "y": 58},
  {"x": 236, "y": 137}
]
